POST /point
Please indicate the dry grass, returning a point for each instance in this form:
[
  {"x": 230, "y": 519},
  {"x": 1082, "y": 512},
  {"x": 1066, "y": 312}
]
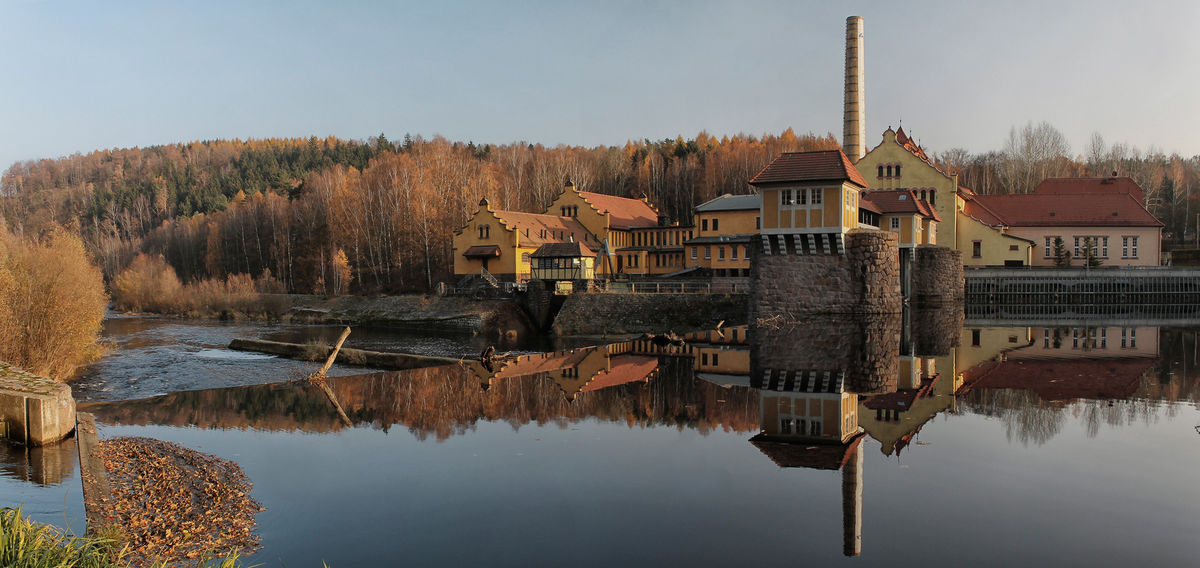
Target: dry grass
[
  {"x": 52, "y": 301},
  {"x": 149, "y": 284}
]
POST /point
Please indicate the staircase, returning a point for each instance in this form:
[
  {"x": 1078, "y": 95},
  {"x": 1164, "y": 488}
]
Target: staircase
[{"x": 487, "y": 277}]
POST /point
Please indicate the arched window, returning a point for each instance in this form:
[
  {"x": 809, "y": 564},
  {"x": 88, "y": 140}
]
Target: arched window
[
  {"x": 880, "y": 171},
  {"x": 889, "y": 171},
  {"x": 933, "y": 197},
  {"x": 897, "y": 170}
]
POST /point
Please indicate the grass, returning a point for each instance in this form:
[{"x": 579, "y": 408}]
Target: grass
[{"x": 28, "y": 544}]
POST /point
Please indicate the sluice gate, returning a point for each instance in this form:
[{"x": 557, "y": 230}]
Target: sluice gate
[{"x": 1076, "y": 293}]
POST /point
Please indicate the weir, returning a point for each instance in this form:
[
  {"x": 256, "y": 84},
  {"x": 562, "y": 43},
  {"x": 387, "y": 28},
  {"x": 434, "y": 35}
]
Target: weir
[{"x": 1069, "y": 294}]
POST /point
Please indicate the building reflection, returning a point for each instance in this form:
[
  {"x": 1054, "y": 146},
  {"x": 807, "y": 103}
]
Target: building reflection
[
  {"x": 808, "y": 396},
  {"x": 47, "y": 465}
]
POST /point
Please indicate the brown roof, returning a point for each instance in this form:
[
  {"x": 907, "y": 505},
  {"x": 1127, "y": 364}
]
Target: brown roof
[
  {"x": 624, "y": 369},
  {"x": 810, "y": 454},
  {"x": 557, "y": 229},
  {"x": 899, "y": 201},
  {"x": 1090, "y": 186},
  {"x": 572, "y": 249},
  {"x": 822, "y": 165},
  {"x": 623, "y": 212},
  {"x": 482, "y": 250},
  {"x": 1062, "y": 379},
  {"x": 1068, "y": 210}
]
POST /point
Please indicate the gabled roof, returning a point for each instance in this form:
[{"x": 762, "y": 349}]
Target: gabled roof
[
  {"x": 821, "y": 165},
  {"x": 1051, "y": 210},
  {"x": 729, "y": 202},
  {"x": 623, "y": 369},
  {"x": 623, "y": 212},
  {"x": 807, "y": 452},
  {"x": 1090, "y": 186},
  {"x": 898, "y": 201},
  {"x": 910, "y": 145},
  {"x": 1062, "y": 378},
  {"x": 570, "y": 249},
  {"x": 557, "y": 229}
]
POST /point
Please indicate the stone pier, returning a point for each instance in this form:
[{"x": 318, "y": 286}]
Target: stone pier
[{"x": 34, "y": 410}]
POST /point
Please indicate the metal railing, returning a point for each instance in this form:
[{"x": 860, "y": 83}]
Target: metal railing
[{"x": 619, "y": 287}]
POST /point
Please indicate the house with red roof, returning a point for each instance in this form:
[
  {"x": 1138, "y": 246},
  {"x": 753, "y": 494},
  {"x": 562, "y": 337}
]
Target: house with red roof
[
  {"x": 612, "y": 235},
  {"x": 1104, "y": 214},
  {"x": 810, "y": 193}
]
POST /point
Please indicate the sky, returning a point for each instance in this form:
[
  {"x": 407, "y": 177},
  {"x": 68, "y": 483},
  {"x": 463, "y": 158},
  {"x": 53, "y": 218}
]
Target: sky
[{"x": 82, "y": 76}]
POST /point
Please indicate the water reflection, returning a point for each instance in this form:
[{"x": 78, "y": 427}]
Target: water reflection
[
  {"x": 807, "y": 397},
  {"x": 45, "y": 466}
]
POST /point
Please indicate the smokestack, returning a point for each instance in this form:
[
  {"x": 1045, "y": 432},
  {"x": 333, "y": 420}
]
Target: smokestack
[{"x": 854, "y": 126}]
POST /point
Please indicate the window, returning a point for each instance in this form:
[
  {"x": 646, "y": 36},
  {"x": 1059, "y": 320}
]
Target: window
[
  {"x": 785, "y": 426},
  {"x": 977, "y": 249},
  {"x": 757, "y": 223},
  {"x": 733, "y": 252},
  {"x": 896, "y": 224},
  {"x": 715, "y": 224},
  {"x": 889, "y": 171},
  {"x": 814, "y": 428},
  {"x": 720, "y": 253},
  {"x": 694, "y": 252},
  {"x": 1103, "y": 247},
  {"x": 975, "y": 338},
  {"x": 704, "y": 224},
  {"x": 714, "y": 359},
  {"x": 816, "y": 196},
  {"x": 1129, "y": 247},
  {"x": 1077, "y": 248},
  {"x": 707, "y": 252},
  {"x": 525, "y": 257},
  {"x": 1013, "y": 248},
  {"x": 485, "y": 231},
  {"x": 802, "y": 196},
  {"x": 880, "y": 174},
  {"x": 785, "y": 197},
  {"x": 933, "y": 197},
  {"x": 897, "y": 170},
  {"x": 704, "y": 358},
  {"x": 1049, "y": 246}
]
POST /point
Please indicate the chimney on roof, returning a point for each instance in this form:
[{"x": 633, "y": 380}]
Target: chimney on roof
[{"x": 854, "y": 125}]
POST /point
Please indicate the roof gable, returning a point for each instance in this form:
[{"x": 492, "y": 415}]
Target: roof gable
[
  {"x": 899, "y": 201},
  {"x": 538, "y": 228},
  {"x": 822, "y": 165},
  {"x": 1050, "y": 210},
  {"x": 623, "y": 212}
]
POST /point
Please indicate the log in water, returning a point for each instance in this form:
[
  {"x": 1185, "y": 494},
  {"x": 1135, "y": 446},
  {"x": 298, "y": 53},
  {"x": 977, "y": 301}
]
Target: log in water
[{"x": 356, "y": 357}]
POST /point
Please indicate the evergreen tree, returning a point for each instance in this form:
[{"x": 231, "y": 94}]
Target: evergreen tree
[{"x": 1062, "y": 256}]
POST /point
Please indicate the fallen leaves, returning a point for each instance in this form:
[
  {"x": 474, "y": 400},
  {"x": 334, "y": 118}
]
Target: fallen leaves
[{"x": 174, "y": 503}]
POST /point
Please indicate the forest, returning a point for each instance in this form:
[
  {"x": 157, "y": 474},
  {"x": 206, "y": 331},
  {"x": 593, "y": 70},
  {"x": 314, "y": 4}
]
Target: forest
[{"x": 331, "y": 216}]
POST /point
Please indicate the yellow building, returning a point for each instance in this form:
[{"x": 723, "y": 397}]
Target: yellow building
[
  {"x": 627, "y": 236},
  {"x": 810, "y": 194},
  {"x": 724, "y": 227},
  {"x": 898, "y": 162},
  {"x": 904, "y": 212}
]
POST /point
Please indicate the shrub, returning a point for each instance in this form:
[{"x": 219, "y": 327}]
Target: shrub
[
  {"x": 52, "y": 302},
  {"x": 148, "y": 284}
]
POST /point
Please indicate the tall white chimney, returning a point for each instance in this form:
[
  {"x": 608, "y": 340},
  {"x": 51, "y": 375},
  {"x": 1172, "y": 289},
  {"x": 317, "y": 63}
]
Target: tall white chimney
[{"x": 854, "y": 126}]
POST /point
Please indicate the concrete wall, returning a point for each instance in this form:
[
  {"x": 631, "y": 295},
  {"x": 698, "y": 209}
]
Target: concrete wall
[
  {"x": 937, "y": 276},
  {"x": 34, "y": 410},
  {"x": 863, "y": 280},
  {"x": 617, "y": 313}
]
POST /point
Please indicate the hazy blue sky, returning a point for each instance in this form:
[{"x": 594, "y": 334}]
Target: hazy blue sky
[{"x": 79, "y": 76}]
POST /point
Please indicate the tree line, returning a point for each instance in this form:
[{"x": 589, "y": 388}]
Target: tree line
[{"x": 331, "y": 216}]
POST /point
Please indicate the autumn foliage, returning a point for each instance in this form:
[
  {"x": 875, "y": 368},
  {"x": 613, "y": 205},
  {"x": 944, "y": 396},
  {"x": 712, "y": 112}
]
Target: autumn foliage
[
  {"x": 52, "y": 301},
  {"x": 149, "y": 284}
]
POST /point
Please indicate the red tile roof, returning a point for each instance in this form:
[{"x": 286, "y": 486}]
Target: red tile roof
[
  {"x": 624, "y": 369},
  {"x": 1067, "y": 210},
  {"x": 823, "y": 165},
  {"x": 624, "y": 213},
  {"x": 557, "y": 229},
  {"x": 977, "y": 210},
  {"x": 910, "y": 145},
  {"x": 899, "y": 201},
  {"x": 1090, "y": 186},
  {"x": 811, "y": 454},
  {"x": 1061, "y": 378}
]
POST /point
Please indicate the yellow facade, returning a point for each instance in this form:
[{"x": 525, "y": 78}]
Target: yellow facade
[
  {"x": 809, "y": 208},
  {"x": 896, "y": 164}
]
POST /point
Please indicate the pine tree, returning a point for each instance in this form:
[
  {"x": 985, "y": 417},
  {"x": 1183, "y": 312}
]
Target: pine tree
[{"x": 1062, "y": 257}]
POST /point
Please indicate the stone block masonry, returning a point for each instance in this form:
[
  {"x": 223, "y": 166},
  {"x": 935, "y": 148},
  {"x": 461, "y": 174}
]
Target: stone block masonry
[
  {"x": 792, "y": 282},
  {"x": 937, "y": 277},
  {"x": 34, "y": 410}
]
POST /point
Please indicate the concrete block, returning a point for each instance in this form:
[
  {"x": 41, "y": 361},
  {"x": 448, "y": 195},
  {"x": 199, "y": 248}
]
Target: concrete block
[{"x": 35, "y": 410}]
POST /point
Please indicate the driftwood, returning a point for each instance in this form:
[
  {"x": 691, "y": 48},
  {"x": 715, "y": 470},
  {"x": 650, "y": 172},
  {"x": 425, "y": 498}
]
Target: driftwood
[{"x": 318, "y": 378}]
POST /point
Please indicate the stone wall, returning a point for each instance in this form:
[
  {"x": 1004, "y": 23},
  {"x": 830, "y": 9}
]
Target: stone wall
[
  {"x": 618, "y": 314},
  {"x": 863, "y": 280},
  {"x": 934, "y": 331},
  {"x": 866, "y": 347},
  {"x": 937, "y": 276}
]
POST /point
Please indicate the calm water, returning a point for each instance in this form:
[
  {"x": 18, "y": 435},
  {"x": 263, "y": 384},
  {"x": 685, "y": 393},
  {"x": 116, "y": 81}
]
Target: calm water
[{"x": 894, "y": 441}]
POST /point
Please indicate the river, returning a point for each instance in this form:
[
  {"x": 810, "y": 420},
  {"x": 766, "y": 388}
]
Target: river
[{"x": 888, "y": 441}]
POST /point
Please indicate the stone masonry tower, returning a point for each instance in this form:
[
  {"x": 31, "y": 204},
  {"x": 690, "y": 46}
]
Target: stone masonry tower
[{"x": 854, "y": 128}]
